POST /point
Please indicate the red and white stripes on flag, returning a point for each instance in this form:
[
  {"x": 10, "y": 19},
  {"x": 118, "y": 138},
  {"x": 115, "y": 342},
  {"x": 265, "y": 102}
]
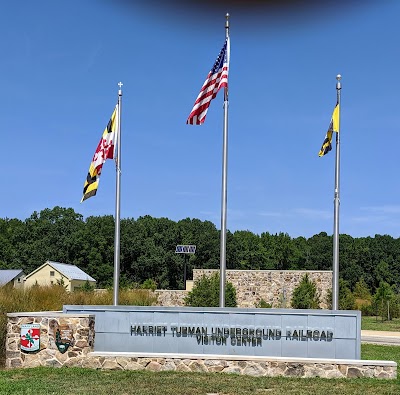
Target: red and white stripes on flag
[
  {"x": 105, "y": 150},
  {"x": 216, "y": 79}
]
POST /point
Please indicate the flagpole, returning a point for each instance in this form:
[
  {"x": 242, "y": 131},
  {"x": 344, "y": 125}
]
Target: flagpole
[
  {"x": 335, "y": 282},
  {"x": 224, "y": 185},
  {"x": 117, "y": 236}
]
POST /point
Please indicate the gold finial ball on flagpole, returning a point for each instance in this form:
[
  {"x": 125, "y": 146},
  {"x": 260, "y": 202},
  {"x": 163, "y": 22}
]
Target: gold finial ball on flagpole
[{"x": 338, "y": 77}]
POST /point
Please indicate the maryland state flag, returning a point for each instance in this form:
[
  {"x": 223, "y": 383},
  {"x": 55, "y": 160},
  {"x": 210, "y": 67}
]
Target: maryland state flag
[
  {"x": 333, "y": 127},
  {"x": 104, "y": 151}
]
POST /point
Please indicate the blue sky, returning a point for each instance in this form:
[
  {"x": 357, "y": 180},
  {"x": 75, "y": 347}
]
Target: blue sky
[{"x": 59, "y": 70}]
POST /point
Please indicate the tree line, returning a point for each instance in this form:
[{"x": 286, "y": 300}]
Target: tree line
[{"x": 148, "y": 249}]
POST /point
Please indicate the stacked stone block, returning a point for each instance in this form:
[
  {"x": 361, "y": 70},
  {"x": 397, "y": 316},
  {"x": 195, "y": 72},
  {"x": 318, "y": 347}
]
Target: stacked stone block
[
  {"x": 253, "y": 286},
  {"x": 82, "y": 343}
]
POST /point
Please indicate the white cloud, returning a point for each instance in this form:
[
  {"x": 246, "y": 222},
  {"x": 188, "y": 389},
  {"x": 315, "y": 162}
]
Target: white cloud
[
  {"x": 313, "y": 213},
  {"x": 369, "y": 219},
  {"x": 385, "y": 209},
  {"x": 308, "y": 213}
]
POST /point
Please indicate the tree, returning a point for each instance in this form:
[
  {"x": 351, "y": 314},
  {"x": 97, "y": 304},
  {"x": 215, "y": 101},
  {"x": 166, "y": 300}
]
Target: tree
[
  {"x": 382, "y": 298},
  {"x": 361, "y": 290},
  {"x": 247, "y": 251},
  {"x": 48, "y": 235},
  {"x": 205, "y": 293},
  {"x": 347, "y": 300},
  {"x": 320, "y": 251},
  {"x": 305, "y": 295},
  {"x": 383, "y": 272},
  {"x": 87, "y": 287},
  {"x": 280, "y": 250}
]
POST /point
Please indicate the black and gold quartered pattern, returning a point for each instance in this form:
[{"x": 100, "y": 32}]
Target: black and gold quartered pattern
[
  {"x": 104, "y": 151},
  {"x": 333, "y": 127}
]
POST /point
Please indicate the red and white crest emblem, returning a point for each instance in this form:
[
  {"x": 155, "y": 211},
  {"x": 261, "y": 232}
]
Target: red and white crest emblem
[{"x": 30, "y": 337}]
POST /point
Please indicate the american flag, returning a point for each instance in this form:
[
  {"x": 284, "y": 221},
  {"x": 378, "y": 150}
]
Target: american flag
[{"x": 216, "y": 79}]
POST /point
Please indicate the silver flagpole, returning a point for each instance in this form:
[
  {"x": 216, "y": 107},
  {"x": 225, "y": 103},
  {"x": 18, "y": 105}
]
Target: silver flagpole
[
  {"x": 335, "y": 282},
  {"x": 117, "y": 203},
  {"x": 224, "y": 184}
]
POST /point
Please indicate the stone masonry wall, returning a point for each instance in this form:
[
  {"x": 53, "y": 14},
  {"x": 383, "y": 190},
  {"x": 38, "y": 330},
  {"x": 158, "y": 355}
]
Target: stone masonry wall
[
  {"x": 170, "y": 298},
  {"x": 250, "y": 366},
  {"x": 273, "y": 286},
  {"x": 79, "y": 328},
  {"x": 80, "y": 354}
]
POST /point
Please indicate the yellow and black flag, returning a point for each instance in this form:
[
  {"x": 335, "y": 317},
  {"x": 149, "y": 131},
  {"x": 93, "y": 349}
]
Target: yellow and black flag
[
  {"x": 104, "y": 151},
  {"x": 333, "y": 127}
]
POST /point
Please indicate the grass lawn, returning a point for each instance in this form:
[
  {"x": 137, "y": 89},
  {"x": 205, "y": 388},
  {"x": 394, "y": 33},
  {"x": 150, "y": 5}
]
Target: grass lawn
[
  {"x": 71, "y": 381},
  {"x": 372, "y": 324}
]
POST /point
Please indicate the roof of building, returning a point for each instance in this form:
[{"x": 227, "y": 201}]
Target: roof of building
[
  {"x": 71, "y": 272},
  {"x": 7, "y": 276}
]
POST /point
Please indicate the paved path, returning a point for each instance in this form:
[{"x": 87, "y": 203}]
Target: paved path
[{"x": 380, "y": 337}]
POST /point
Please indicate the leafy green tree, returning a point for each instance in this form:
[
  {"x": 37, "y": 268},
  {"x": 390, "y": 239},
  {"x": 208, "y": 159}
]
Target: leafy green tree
[
  {"x": 305, "y": 295},
  {"x": 280, "y": 250},
  {"x": 320, "y": 253},
  {"x": 351, "y": 269},
  {"x": 205, "y": 293},
  {"x": 383, "y": 272},
  {"x": 247, "y": 251},
  {"x": 361, "y": 290},
  {"x": 347, "y": 300},
  {"x": 148, "y": 245},
  {"x": 395, "y": 306},
  {"x": 206, "y": 237},
  {"x": 47, "y": 235},
  {"x": 382, "y": 297},
  {"x": 302, "y": 255}
]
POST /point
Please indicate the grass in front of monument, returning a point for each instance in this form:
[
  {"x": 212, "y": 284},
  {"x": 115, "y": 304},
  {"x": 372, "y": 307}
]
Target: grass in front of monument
[
  {"x": 68, "y": 381},
  {"x": 376, "y": 324}
]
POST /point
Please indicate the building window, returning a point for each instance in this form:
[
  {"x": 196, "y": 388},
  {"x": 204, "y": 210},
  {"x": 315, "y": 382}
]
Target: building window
[{"x": 52, "y": 273}]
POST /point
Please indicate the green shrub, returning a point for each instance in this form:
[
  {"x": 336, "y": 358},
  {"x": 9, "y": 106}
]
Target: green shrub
[
  {"x": 367, "y": 309},
  {"x": 305, "y": 295},
  {"x": 262, "y": 304},
  {"x": 87, "y": 287},
  {"x": 149, "y": 284},
  {"x": 205, "y": 293}
]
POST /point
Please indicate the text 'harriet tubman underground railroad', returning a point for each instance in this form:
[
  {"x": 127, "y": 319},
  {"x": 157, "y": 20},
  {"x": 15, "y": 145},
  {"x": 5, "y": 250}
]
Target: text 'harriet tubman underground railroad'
[{"x": 235, "y": 336}]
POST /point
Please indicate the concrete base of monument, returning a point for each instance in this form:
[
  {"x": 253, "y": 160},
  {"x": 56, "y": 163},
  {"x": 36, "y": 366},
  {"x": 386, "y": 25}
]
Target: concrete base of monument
[{"x": 243, "y": 365}]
